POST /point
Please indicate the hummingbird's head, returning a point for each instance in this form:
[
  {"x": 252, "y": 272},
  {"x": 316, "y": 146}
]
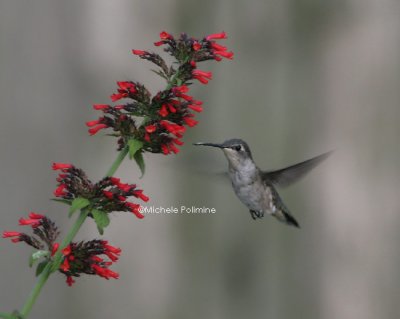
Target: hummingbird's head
[{"x": 236, "y": 151}]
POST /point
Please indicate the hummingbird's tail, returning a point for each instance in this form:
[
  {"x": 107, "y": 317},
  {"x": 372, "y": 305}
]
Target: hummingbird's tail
[{"x": 286, "y": 218}]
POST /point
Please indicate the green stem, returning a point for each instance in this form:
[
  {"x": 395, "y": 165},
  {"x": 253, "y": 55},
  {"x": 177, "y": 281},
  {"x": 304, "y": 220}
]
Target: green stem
[
  {"x": 53, "y": 266},
  {"x": 117, "y": 161}
]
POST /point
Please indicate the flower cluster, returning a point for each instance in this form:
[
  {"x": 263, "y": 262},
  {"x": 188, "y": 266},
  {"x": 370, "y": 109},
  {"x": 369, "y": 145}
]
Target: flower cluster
[
  {"x": 165, "y": 115},
  {"x": 84, "y": 258},
  {"x": 44, "y": 235},
  {"x": 77, "y": 258},
  {"x": 107, "y": 195}
]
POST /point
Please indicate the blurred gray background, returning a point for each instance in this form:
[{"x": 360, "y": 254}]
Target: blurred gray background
[{"x": 308, "y": 76}]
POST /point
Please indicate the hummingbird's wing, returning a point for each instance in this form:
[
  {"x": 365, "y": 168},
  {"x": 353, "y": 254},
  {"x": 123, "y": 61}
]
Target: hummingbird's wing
[{"x": 288, "y": 175}]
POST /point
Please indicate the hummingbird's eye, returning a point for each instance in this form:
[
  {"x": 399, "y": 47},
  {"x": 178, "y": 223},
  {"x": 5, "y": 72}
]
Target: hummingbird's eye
[{"x": 238, "y": 148}]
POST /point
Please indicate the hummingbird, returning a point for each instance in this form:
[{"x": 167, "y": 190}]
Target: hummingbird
[{"x": 256, "y": 188}]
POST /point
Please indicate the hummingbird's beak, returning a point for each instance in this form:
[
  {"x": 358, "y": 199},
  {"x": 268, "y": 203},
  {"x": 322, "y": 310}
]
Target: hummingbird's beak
[{"x": 209, "y": 144}]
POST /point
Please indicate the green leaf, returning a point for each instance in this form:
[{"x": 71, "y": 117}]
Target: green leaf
[
  {"x": 40, "y": 267},
  {"x": 78, "y": 203},
  {"x": 101, "y": 218},
  {"x": 7, "y": 316},
  {"x": 134, "y": 146},
  {"x": 64, "y": 201},
  {"x": 140, "y": 162},
  {"x": 35, "y": 256}
]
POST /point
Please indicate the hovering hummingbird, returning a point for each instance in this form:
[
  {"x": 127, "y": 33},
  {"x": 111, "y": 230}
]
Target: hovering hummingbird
[{"x": 256, "y": 188}]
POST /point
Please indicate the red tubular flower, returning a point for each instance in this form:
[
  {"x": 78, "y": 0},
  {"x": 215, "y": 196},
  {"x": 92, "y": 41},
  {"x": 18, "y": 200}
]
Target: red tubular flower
[
  {"x": 163, "y": 111},
  {"x": 218, "y": 47},
  {"x": 67, "y": 250},
  {"x": 185, "y": 97},
  {"x": 215, "y": 36},
  {"x": 60, "y": 191},
  {"x": 54, "y": 248},
  {"x": 164, "y": 149},
  {"x": 127, "y": 86},
  {"x": 33, "y": 215},
  {"x": 193, "y": 64},
  {"x": 65, "y": 266},
  {"x": 205, "y": 74},
  {"x": 139, "y": 52},
  {"x": 108, "y": 194},
  {"x": 147, "y": 137},
  {"x": 177, "y": 142},
  {"x": 228, "y": 55},
  {"x": 173, "y": 128},
  {"x": 173, "y": 148},
  {"x": 70, "y": 281},
  {"x": 190, "y": 122},
  {"x": 196, "y": 46},
  {"x": 135, "y": 209},
  {"x": 117, "y": 96},
  {"x": 196, "y": 108},
  {"x": 200, "y": 79},
  {"x": 61, "y": 166},
  {"x": 114, "y": 250},
  {"x": 139, "y": 194},
  {"x": 165, "y": 36},
  {"x": 158, "y": 43},
  {"x": 180, "y": 89},
  {"x": 150, "y": 128},
  {"x": 8, "y": 234},
  {"x": 95, "y": 129},
  {"x": 29, "y": 222},
  {"x": 115, "y": 180},
  {"x": 101, "y": 106},
  {"x": 94, "y": 122},
  {"x": 171, "y": 108}
]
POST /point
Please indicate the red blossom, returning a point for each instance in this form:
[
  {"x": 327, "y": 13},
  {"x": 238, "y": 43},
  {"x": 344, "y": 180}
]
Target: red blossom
[
  {"x": 205, "y": 74},
  {"x": 150, "y": 128},
  {"x": 165, "y": 36},
  {"x": 164, "y": 149},
  {"x": 196, "y": 108},
  {"x": 127, "y": 86},
  {"x": 177, "y": 141},
  {"x": 163, "y": 111},
  {"x": 65, "y": 266},
  {"x": 173, "y": 148},
  {"x": 158, "y": 43},
  {"x": 60, "y": 191},
  {"x": 108, "y": 194},
  {"x": 228, "y": 55},
  {"x": 218, "y": 47},
  {"x": 54, "y": 248},
  {"x": 94, "y": 122},
  {"x": 115, "y": 180},
  {"x": 8, "y": 234},
  {"x": 135, "y": 209},
  {"x": 215, "y": 36},
  {"x": 61, "y": 166},
  {"x": 173, "y": 128},
  {"x": 70, "y": 281},
  {"x": 139, "y": 52},
  {"x": 101, "y": 106},
  {"x": 33, "y": 215},
  {"x": 139, "y": 194},
  {"x": 196, "y": 46},
  {"x": 67, "y": 250},
  {"x": 180, "y": 89},
  {"x": 29, "y": 222},
  {"x": 147, "y": 137},
  {"x": 95, "y": 129},
  {"x": 190, "y": 122},
  {"x": 200, "y": 79}
]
